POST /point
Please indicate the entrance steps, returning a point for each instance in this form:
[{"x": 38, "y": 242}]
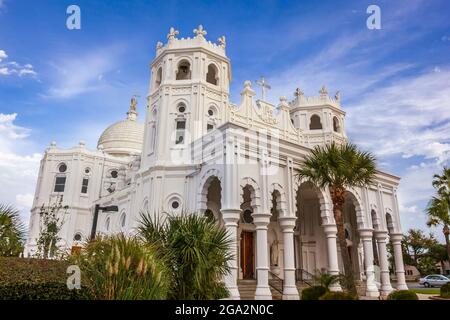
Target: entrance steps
[{"x": 247, "y": 289}]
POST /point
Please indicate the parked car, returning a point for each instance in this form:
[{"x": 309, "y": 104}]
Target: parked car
[{"x": 434, "y": 280}]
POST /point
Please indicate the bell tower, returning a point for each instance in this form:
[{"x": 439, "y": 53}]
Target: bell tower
[{"x": 188, "y": 94}]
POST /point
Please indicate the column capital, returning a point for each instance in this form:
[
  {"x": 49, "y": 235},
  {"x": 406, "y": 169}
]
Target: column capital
[
  {"x": 396, "y": 237},
  {"x": 261, "y": 219},
  {"x": 365, "y": 233},
  {"x": 287, "y": 223},
  {"x": 330, "y": 229},
  {"x": 380, "y": 234},
  {"x": 231, "y": 216}
]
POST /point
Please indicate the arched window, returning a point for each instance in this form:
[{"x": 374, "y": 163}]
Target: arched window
[
  {"x": 315, "y": 123},
  {"x": 107, "y": 223},
  {"x": 153, "y": 131},
  {"x": 212, "y": 75},
  {"x": 60, "y": 180},
  {"x": 184, "y": 70},
  {"x": 84, "y": 185},
  {"x": 123, "y": 220},
  {"x": 336, "y": 126},
  {"x": 158, "y": 77}
]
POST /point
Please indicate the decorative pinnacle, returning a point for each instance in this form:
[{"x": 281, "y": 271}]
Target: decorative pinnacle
[
  {"x": 323, "y": 91},
  {"x": 222, "y": 41},
  {"x": 159, "y": 45},
  {"x": 200, "y": 32},
  {"x": 298, "y": 92},
  {"x": 172, "y": 33}
]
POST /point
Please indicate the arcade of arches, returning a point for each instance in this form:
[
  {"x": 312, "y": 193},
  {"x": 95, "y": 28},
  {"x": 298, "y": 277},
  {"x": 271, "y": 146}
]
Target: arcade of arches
[{"x": 274, "y": 244}]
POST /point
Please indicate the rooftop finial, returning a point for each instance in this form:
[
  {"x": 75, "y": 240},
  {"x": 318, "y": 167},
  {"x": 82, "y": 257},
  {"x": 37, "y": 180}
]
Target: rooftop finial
[
  {"x": 172, "y": 33},
  {"x": 132, "y": 114},
  {"x": 337, "y": 96},
  {"x": 298, "y": 92},
  {"x": 200, "y": 32},
  {"x": 222, "y": 41},
  {"x": 323, "y": 91}
]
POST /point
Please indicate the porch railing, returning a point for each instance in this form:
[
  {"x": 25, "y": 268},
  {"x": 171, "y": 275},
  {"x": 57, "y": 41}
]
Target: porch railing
[
  {"x": 306, "y": 277},
  {"x": 275, "y": 282}
]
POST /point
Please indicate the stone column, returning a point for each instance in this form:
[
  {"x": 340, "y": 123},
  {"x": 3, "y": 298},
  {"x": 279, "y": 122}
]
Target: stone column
[
  {"x": 332, "y": 253},
  {"x": 366, "y": 237},
  {"x": 231, "y": 218},
  {"x": 386, "y": 287},
  {"x": 290, "y": 291},
  {"x": 396, "y": 239},
  {"x": 261, "y": 220}
]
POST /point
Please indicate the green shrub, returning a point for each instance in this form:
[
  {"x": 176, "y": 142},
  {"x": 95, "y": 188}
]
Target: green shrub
[
  {"x": 403, "y": 295},
  {"x": 445, "y": 291},
  {"x": 36, "y": 279},
  {"x": 120, "y": 268},
  {"x": 197, "y": 250},
  {"x": 338, "y": 296},
  {"x": 41, "y": 291},
  {"x": 313, "y": 293}
]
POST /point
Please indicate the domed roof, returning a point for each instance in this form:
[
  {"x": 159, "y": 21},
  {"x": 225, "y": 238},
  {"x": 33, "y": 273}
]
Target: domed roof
[{"x": 124, "y": 137}]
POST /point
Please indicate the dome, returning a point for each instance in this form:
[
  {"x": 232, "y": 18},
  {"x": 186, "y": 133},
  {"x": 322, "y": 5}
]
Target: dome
[{"x": 124, "y": 137}]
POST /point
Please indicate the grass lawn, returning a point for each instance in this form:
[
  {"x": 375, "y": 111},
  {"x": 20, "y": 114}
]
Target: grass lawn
[{"x": 435, "y": 291}]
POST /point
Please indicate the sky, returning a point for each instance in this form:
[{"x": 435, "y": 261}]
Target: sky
[{"x": 67, "y": 85}]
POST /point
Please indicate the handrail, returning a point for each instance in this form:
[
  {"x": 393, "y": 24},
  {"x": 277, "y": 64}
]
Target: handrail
[
  {"x": 277, "y": 283},
  {"x": 305, "y": 277}
]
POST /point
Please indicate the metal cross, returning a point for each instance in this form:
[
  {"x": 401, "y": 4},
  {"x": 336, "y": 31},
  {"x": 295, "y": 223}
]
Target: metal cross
[{"x": 264, "y": 86}]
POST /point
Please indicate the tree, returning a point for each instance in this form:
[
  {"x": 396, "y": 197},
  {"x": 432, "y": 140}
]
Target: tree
[
  {"x": 197, "y": 250},
  {"x": 439, "y": 253},
  {"x": 51, "y": 221},
  {"x": 438, "y": 207},
  {"x": 416, "y": 247},
  {"x": 339, "y": 167},
  {"x": 12, "y": 232}
]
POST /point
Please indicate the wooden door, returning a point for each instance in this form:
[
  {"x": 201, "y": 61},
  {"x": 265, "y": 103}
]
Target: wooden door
[{"x": 247, "y": 255}]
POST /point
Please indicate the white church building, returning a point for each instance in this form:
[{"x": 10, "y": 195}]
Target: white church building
[{"x": 196, "y": 152}]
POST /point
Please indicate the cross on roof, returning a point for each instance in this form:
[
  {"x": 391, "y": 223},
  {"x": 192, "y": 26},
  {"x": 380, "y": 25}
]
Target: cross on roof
[{"x": 264, "y": 86}]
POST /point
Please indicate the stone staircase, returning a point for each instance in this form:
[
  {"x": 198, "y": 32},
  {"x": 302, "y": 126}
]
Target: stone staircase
[{"x": 247, "y": 289}]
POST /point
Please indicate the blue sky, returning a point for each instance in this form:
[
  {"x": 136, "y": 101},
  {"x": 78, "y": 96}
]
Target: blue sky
[{"x": 67, "y": 85}]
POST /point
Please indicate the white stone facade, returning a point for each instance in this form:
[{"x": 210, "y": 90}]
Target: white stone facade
[{"x": 200, "y": 153}]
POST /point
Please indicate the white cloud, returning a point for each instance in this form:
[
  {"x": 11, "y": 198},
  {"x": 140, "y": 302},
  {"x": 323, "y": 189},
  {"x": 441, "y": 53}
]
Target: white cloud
[
  {"x": 78, "y": 75},
  {"x": 3, "y": 54},
  {"x": 18, "y": 172},
  {"x": 15, "y": 68}
]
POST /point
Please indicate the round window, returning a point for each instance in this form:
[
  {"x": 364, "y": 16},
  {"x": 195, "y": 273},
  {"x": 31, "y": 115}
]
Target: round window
[
  {"x": 175, "y": 204},
  {"x": 114, "y": 174},
  {"x": 210, "y": 112},
  {"x": 77, "y": 237},
  {"x": 182, "y": 108},
  {"x": 247, "y": 216},
  {"x": 87, "y": 170},
  {"x": 62, "y": 167}
]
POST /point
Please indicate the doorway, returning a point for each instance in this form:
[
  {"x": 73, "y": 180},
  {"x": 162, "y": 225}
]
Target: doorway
[{"x": 247, "y": 255}]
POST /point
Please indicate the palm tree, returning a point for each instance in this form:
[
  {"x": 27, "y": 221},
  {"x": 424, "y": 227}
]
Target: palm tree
[
  {"x": 197, "y": 250},
  {"x": 339, "y": 167},
  {"x": 438, "y": 214},
  {"x": 12, "y": 232}
]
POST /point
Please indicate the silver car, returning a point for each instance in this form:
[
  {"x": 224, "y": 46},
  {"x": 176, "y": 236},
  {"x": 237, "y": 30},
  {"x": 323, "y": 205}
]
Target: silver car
[{"x": 434, "y": 280}]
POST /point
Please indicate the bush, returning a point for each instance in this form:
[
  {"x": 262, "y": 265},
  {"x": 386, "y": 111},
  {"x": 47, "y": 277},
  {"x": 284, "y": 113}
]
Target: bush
[
  {"x": 403, "y": 295},
  {"x": 445, "y": 291},
  {"x": 197, "y": 250},
  {"x": 36, "y": 279},
  {"x": 120, "y": 268},
  {"x": 338, "y": 296},
  {"x": 313, "y": 293},
  {"x": 41, "y": 291}
]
